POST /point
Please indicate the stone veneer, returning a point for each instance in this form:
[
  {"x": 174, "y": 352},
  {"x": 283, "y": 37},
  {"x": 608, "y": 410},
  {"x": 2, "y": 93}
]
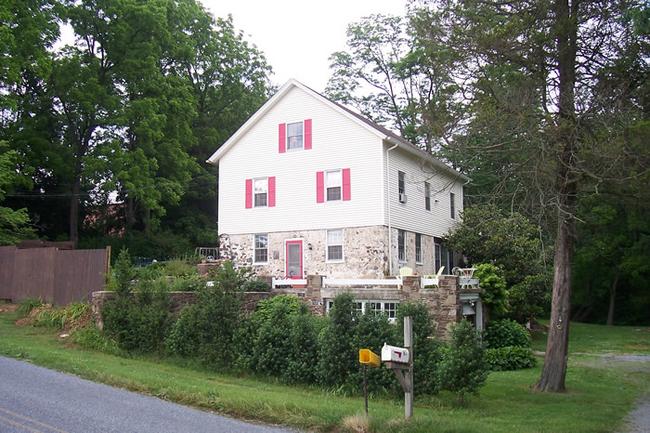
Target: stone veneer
[{"x": 364, "y": 253}]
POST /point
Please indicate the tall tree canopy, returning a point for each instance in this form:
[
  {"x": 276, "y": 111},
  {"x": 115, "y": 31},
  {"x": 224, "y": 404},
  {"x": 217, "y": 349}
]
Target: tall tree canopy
[
  {"x": 555, "y": 105},
  {"x": 113, "y": 129}
]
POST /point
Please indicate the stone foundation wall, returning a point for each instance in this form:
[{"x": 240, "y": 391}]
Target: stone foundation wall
[
  {"x": 364, "y": 252},
  {"x": 444, "y": 302}
]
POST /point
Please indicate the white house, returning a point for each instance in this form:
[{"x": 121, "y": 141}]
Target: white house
[{"x": 307, "y": 186}]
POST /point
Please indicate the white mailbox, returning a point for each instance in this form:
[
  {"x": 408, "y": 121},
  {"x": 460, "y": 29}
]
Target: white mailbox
[{"x": 394, "y": 354}]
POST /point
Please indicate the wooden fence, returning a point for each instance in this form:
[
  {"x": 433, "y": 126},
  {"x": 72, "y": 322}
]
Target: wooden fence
[{"x": 53, "y": 275}]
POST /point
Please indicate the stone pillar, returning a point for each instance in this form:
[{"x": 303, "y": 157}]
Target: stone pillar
[
  {"x": 410, "y": 287},
  {"x": 313, "y": 296}
]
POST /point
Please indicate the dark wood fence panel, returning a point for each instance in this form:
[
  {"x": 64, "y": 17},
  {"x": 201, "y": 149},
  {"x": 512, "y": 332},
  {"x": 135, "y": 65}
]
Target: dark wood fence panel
[
  {"x": 78, "y": 274},
  {"x": 7, "y": 255},
  {"x": 56, "y": 276}
]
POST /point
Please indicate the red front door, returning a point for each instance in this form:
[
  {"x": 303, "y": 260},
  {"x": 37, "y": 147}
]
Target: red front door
[{"x": 293, "y": 256}]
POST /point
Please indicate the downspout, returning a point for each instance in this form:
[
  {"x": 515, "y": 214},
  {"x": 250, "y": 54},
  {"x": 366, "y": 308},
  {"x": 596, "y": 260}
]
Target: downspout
[{"x": 388, "y": 203}]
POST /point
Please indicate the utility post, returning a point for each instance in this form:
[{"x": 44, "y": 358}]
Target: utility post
[
  {"x": 408, "y": 344},
  {"x": 400, "y": 360}
]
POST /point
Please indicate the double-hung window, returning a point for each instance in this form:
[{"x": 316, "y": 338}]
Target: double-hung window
[
  {"x": 333, "y": 184},
  {"x": 418, "y": 248},
  {"x": 261, "y": 248},
  {"x": 401, "y": 182},
  {"x": 401, "y": 245},
  {"x": 295, "y": 136},
  {"x": 261, "y": 190},
  {"x": 334, "y": 245},
  {"x": 427, "y": 196}
]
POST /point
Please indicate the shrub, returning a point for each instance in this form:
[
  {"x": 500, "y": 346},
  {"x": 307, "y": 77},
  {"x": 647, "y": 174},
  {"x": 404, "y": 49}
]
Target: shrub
[
  {"x": 463, "y": 369},
  {"x": 427, "y": 349},
  {"x": 189, "y": 283},
  {"x": 179, "y": 268},
  {"x": 27, "y": 305},
  {"x": 256, "y": 285},
  {"x": 303, "y": 340},
  {"x": 205, "y": 328},
  {"x": 493, "y": 284},
  {"x": 137, "y": 320},
  {"x": 338, "y": 352},
  {"x": 510, "y": 358},
  {"x": 371, "y": 332},
  {"x": 92, "y": 338},
  {"x": 506, "y": 333}
]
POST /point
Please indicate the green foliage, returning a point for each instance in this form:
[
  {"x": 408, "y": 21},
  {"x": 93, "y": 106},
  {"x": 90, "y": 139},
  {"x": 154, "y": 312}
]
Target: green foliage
[
  {"x": 122, "y": 274},
  {"x": 428, "y": 350},
  {"x": 463, "y": 369},
  {"x": 256, "y": 285},
  {"x": 372, "y": 331},
  {"x": 90, "y": 337},
  {"x": 179, "y": 268},
  {"x": 60, "y": 318},
  {"x": 303, "y": 342},
  {"x": 494, "y": 294},
  {"x": 338, "y": 352},
  {"x": 197, "y": 332},
  {"x": 138, "y": 320},
  {"x": 509, "y": 358},
  {"x": 27, "y": 305},
  {"x": 14, "y": 224},
  {"x": 506, "y": 333}
]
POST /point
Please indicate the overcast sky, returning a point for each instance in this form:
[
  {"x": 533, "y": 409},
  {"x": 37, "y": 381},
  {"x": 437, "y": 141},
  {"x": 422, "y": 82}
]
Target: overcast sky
[{"x": 296, "y": 36}]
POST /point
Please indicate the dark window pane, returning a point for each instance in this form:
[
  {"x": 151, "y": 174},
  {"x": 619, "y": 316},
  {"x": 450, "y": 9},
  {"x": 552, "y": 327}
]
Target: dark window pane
[
  {"x": 335, "y": 252},
  {"x": 334, "y": 193},
  {"x": 260, "y": 200}
]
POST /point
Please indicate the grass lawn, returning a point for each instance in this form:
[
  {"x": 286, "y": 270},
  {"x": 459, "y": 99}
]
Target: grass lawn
[{"x": 597, "y": 400}]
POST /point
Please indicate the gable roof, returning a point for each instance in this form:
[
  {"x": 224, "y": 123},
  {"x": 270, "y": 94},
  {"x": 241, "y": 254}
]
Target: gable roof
[{"x": 378, "y": 130}]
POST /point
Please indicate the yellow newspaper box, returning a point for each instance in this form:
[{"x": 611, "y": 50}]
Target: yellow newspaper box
[{"x": 368, "y": 357}]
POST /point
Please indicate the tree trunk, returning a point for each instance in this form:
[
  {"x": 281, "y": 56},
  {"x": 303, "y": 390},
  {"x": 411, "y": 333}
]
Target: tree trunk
[
  {"x": 612, "y": 300},
  {"x": 555, "y": 362},
  {"x": 74, "y": 211}
]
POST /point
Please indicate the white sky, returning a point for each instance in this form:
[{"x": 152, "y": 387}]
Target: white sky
[{"x": 297, "y": 37}]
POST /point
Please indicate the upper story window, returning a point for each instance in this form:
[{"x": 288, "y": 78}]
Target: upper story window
[
  {"x": 427, "y": 196},
  {"x": 295, "y": 136},
  {"x": 452, "y": 205},
  {"x": 333, "y": 184},
  {"x": 261, "y": 192},
  {"x": 261, "y": 248},
  {"x": 335, "y": 245},
  {"x": 401, "y": 183},
  {"x": 418, "y": 248},
  {"x": 401, "y": 245}
]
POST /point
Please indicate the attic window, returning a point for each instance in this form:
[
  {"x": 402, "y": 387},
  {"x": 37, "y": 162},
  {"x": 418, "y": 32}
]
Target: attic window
[{"x": 294, "y": 135}]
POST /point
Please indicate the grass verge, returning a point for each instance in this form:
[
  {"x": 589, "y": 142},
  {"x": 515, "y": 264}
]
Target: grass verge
[{"x": 597, "y": 401}]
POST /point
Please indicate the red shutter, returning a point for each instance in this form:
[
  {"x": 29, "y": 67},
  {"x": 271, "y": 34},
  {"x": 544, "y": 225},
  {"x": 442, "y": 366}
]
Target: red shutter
[
  {"x": 249, "y": 193},
  {"x": 346, "y": 184},
  {"x": 320, "y": 187},
  {"x": 271, "y": 191},
  {"x": 282, "y": 137},
  {"x": 307, "y": 134}
]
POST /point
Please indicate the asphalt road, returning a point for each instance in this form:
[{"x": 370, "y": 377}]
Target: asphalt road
[{"x": 37, "y": 400}]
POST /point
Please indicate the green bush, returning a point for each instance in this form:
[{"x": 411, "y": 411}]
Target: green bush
[
  {"x": 338, "y": 352},
  {"x": 27, "y": 305},
  {"x": 92, "y": 338},
  {"x": 371, "y": 332},
  {"x": 204, "y": 329},
  {"x": 494, "y": 288},
  {"x": 510, "y": 358},
  {"x": 256, "y": 285},
  {"x": 427, "y": 349},
  {"x": 463, "y": 369},
  {"x": 303, "y": 340},
  {"x": 506, "y": 333},
  {"x": 179, "y": 268},
  {"x": 137, "y": 319},
  {"x": 188, "y": 283}
]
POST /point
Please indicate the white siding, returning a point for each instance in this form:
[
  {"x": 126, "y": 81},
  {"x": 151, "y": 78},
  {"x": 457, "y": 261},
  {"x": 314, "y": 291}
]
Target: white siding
[
  {"x": 338, "y": 142},
  {"x": 412, "y": 215}
]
